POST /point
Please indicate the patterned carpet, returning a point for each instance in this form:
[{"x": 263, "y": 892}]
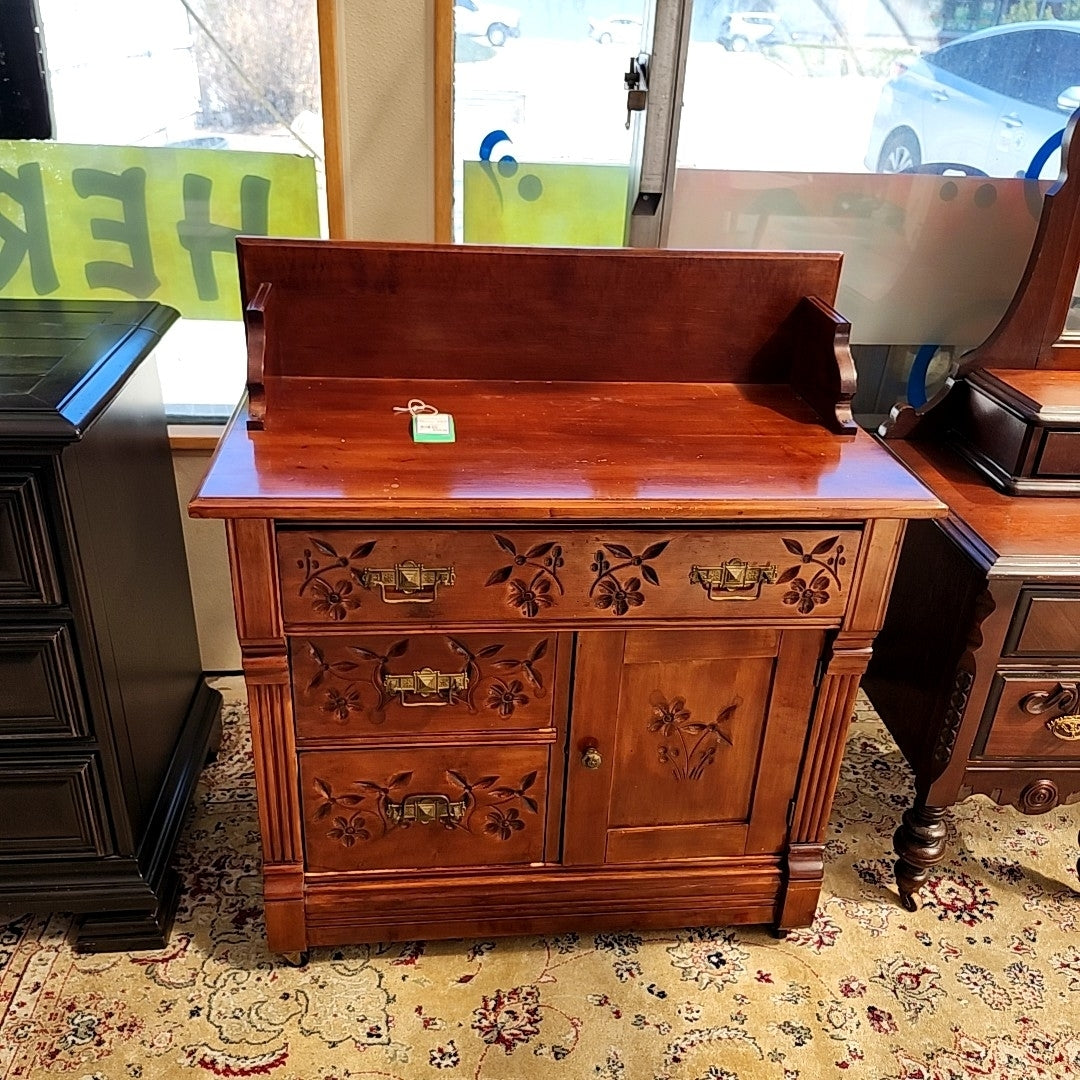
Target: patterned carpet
[{"x": 983, "y": 982}]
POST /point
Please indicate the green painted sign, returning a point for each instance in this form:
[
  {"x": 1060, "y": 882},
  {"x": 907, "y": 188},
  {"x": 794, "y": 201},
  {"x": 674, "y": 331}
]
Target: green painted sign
[
  {"x": 122, "y": 222},
  {"x": 509, "y": 202}
]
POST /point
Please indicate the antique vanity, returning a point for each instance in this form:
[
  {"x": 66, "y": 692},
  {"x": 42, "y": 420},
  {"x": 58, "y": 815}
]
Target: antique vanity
[
  {"x": 977, "y": 670},
  {"x": 590, "y": 665}
]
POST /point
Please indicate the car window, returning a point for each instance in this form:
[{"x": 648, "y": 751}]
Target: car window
[
  {"x": 468, "y": 5},
  {"x": 1053, "y": 66},
  {"x": 997, "y": 62}
]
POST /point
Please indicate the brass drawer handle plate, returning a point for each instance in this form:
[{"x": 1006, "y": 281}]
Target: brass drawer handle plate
[
  {"x": 415, "y": 583},
  {"x": 733, "y": 580},
  {"x": 1065, "y": 727},
  {"x": 426, "y": 810},
  {"x": 436, "y": 686}
]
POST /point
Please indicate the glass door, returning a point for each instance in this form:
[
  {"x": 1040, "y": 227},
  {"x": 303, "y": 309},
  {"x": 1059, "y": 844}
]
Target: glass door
[{"x": 544, "y": 143}]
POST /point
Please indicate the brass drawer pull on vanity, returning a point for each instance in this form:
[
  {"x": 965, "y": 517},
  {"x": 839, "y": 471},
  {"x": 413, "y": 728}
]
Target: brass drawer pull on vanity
[
  {"x": 417, "y": 583},
  {"x": 1065, "y": 727},
  {"x": 1063, "y": 697},
  {"x": 427, "y": 683},
  {"x": 426, "y": 810},
  {"x": 735, "y": 579}
]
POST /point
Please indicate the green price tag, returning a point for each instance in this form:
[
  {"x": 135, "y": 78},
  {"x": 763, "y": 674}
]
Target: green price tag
[{"x": 432, "y": 427}]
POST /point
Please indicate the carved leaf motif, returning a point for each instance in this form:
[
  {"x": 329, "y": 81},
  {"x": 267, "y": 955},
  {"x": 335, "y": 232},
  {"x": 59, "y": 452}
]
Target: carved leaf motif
[
  {"x": 399, "y": 648},
  {"x": 820, "y": 581},
  {"x": 505, "y": 544},
  {"x": 459, "y": 648},
  {"x": 324, "y": 547},
  {"x": 793, "y": 546},
  {"x": 537, "y": 550},
  {"x": 654, "y": 549},
  {"x": 367, "y": 654},
  {"x": 650, "y": 575},
  {"x": 399, "y": 779},
  {"x": 789, "y": 574},
  {"x": 323, "y": 810},
  {"x": 362, "y": 551},
  {"x": 497, "y": 577},
  {"x": 457, "y": 778},
  {"x": 485, "y": 781},
  {"x": 528, "y": 781},
  {"x": 316, "y": 652},
  {"x": 531, "y": 803},
  {"x": 538, "y": 650},
  {"x": 824, "y": 545},
  {"x": 350, "y": 800},
  {"x": 344, "y": 665},
  {"x": 621, "y": 551},
  {"x": 489, "y": 650},
  {"x": 324, "y": 787}
]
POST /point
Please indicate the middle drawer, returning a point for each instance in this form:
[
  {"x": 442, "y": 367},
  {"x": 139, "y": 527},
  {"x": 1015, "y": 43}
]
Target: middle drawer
[{"x": 351, "y": 686}]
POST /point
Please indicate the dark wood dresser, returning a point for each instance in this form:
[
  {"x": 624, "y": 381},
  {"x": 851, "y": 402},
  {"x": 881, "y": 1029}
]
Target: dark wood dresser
[
  {"x": 592, "y": 664},
  {"x": 105, "y": 719},
  {"x": 977, "y": 670}
]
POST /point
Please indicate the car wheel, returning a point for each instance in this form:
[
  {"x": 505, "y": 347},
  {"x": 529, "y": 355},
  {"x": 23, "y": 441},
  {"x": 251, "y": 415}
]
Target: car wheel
[
  {"x": 899, "y": 153},
  {"x": 604, "y": 38},
  {"x": 496, "y": 34},
  {"x": 739, "y": 43}
]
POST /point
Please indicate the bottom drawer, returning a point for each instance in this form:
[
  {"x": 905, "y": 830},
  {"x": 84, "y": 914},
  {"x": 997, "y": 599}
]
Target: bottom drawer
[
  {"x": 1031, "y": 715},
  {"x": 424, "y": 808},
  {"x": 51, "y": 807}
]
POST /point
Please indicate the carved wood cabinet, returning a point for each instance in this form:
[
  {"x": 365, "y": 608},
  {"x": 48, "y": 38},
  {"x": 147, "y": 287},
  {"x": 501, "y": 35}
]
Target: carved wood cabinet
[
  {"x": 105, "y": 719},
  {"x": 592, "y": 664}
]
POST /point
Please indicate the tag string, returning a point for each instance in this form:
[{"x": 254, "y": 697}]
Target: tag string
[{"x": 415, "y": 407}]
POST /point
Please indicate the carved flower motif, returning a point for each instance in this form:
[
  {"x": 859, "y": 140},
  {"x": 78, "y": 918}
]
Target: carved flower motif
[
  {"x": 333, "y": 601},
  {"x": 669, "y": 717},
  {"x": 341, "y": 704},
  {"x": 506, "y": 697},
  {"x": 620, "y": 598},
  {"x": 808, "y": 596},
  {"x": 530, "y": 598},
  {"x": 503, "y": 825},
  {"x": 348, "y": 831}
]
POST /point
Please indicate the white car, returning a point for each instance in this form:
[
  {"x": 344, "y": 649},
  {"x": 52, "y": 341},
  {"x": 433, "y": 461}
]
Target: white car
[
  {"x": 623, "y": 29},
  {"x": 495, "y": 22}
]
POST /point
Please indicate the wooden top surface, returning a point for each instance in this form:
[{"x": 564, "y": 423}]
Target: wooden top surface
[
  {"x": 1041, "y": 390},
  {"x": 525, "y": 451},
  {"x": 62, "y": 361},
  {"x": 1012, "y": 526}
]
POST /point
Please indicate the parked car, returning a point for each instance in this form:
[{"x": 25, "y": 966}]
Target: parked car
[
  {"x": 474, "y": 18},
  {"x": 622, "y": 29},
  {"x": 742, "y": 30},
  {"x": 988, "y": 101}
]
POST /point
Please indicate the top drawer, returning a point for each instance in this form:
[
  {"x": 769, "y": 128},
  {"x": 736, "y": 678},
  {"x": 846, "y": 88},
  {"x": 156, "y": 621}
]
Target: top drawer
[
  {"x": 27, "y": 572},
  {"x": 352, "y": 576},
  {"x": 1046, "y": 623}
]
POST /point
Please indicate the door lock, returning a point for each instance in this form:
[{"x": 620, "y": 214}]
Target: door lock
[{"x": 636, "y": 81}]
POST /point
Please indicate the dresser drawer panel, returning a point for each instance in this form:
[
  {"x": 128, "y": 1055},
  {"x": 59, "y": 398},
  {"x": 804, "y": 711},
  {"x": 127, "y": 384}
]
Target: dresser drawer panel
[
  {"x": 350, "y": 576},
  {"x": 27, "y": 568},
  {"x": 40, "y": 695},
  {"x": 51, "y": 806},
  {"x": 1046, "y": 622},
  {"x": 1031, "y": 716},
  {"x": 425, "y": 808},
  {"x": 347, "y": 686}
]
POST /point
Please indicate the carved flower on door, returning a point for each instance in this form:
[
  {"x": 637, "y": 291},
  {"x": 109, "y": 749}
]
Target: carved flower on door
[{"x": 688, "y": 757}]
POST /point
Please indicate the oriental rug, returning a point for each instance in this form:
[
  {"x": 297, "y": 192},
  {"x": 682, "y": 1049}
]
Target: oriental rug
[{"x": 982, "y": 982}]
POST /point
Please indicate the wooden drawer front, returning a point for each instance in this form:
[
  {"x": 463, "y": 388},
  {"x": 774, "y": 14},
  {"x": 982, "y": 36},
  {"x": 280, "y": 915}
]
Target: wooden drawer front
[
  {"x": 51, "y": 807},
  {"x": 1031, "y": 716},
  {"x": 351, "y": 686},
  {"x": 424, "y": 808},
  {"x": 27, "y": 573},
  {"x": 1046, "y": 623},
  {"x": 1060, "y": 454},
  {"x": 354, "y": 576},
  {"x": 39, "y": 684}
]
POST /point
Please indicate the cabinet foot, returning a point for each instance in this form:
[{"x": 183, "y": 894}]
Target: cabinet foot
[
  {"x": 920, "y": 844},
  {"x": 295, "y": 959}
]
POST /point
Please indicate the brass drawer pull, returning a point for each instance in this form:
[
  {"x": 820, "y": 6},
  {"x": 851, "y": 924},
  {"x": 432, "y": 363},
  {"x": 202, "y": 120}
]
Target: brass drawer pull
[
  {"x": 1062, "y": 698},
  {"x": 427, "y": 683},
  {"x": 1065, "y": 727},
  {"x": 733, "y": 580},
  {"x": 418, "y": 584},
  {"x": 426, "y": 810}
]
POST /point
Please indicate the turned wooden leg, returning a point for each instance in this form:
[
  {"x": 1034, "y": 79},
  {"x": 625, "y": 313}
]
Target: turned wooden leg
[{"x": 920, "y": 844}]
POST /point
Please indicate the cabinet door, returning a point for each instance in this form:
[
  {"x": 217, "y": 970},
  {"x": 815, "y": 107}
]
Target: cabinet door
[{"x": 686, "y": 744}]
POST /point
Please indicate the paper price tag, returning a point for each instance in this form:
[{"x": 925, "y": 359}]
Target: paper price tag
[{"x": 432, "y": 427}]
